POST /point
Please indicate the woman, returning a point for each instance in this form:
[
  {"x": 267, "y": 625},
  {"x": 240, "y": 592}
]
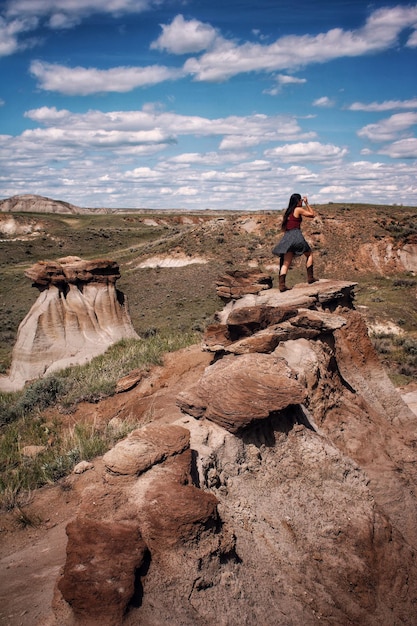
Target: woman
[{"x": 293, "y": 242}]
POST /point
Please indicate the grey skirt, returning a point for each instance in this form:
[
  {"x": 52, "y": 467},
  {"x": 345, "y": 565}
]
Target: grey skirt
[{"x": 292, "y": 241}]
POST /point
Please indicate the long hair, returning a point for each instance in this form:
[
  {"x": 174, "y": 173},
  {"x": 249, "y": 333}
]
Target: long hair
[{"x": 294, "y": 200}]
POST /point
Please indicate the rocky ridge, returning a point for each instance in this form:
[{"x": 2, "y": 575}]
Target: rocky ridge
[
  {"x": 283, "y": 495},
  {"x": 31, "y": 203}
]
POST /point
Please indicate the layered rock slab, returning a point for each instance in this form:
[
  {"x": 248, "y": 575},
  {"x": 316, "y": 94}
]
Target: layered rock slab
[
  {"x": 236, "y": 283},
  {"x": 236, "y": 392}
]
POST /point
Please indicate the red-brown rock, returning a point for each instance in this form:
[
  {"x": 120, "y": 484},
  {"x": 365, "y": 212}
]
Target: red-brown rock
[
  {"x": 99, "y": 574},
  {"x": 174, "y": 514},
  {"x": 236, "y": 391},
  {"x": 237, "y": 283},
  {"x": 145, "y": 447}
]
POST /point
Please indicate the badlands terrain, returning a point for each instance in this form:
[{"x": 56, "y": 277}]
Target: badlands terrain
[{"x": 270, "y": 475}]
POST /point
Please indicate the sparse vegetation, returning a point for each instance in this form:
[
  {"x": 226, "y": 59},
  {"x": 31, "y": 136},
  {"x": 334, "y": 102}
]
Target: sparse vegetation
[
  {"x": 399, "y": 355},
  {"x": 24, "y": 420}
]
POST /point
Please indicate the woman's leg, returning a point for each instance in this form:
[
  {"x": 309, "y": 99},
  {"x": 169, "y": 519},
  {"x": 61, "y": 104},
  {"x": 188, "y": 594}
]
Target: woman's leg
[
  {"x": 285, "y": 263},
  {"x": 284, "y": 266},
  {"x": 309, "y": 266},
  {"x": 309, "y": 258}
]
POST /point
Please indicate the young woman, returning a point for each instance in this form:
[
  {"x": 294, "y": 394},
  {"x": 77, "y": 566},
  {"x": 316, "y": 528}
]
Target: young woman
[{"x": 293, "y": 242}]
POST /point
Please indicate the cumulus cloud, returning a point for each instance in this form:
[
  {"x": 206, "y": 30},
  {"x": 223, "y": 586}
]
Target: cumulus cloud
[
  {"x": 412, "y": 41},
  {"x": 281, "y": 81},
  {"x": 227, "y": 58},
  {"x": 10, "y": 32},
  {"x": 74, "y": 8},
  {"x": 310, "y": 151},
  {"x": 284, "y": 79},
  {"x": 185, "y": 37},
  {"x": 166, "y": 126},
  {"x": 57, "y": 14},
  {"x": 390, "y": 128},
  {"x": 86, "y": 81},
  {"x": 323, "y": 102},
  {"x": 402, "y": 149},
  {"x": 387, "y": 105},
  {"x": 335, "y": 189},
  {"x": 208, "y": 158},
  {"x": 222, "y": 58}
]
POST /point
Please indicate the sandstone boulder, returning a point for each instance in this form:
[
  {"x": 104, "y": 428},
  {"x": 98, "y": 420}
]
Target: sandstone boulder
[
  {"x": 98, "y": 579},
  {"x": 125, "y": 522},
  {"x": 257, "y": 323},
  {"x": 145, "y": 447},
  {"x": 235, "y": 392},
  {"x": 175, "y": 514}
]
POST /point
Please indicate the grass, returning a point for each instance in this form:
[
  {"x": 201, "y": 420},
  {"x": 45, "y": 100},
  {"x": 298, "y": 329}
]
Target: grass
[
  {"x": 399, "y": 355},
  {"x": 390, "y": 299},
  {"x": 25, "y": 421}
]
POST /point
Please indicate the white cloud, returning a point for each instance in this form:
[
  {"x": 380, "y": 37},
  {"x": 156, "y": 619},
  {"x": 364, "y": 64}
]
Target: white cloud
[
  {"x": 23, "y": 16},
  {"x": 209, "y": 158},
  {"x": 402, "y": 149},
  {"x": 95, "y": 138},
  {"x": 185, "y": 191},
  {"x": 142, "y": 173},
  {"x": 233, "y": 130},
  {"x": 185, "y": 37},
  {"x": 412, "y": 41},
  {"x": 77, "y": 7},
  {"x": 85, "y": 81},
  {"x": 387, "y": 105},
  {"x": 310, "y": 151},
  {"x": 227, "y": 59},
  {"x": 284, "y": 79},
  {"x": 390, "y": 128},
  {"x": 10, "y": 32},
  {"x": 223, "y": 58},
  {"x": 127, "y": 159},
  {"x": 324, "y": 102},
  {"x": 335, "y": 189}
]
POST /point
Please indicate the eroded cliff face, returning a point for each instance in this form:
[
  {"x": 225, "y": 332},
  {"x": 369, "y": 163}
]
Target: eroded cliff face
[
  {"x": 79, "y": 313},
  {"x": 285, "y": 494}
]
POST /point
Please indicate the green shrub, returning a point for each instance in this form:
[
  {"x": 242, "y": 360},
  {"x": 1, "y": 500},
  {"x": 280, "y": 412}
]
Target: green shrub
[{"x": 41, "y": 394}]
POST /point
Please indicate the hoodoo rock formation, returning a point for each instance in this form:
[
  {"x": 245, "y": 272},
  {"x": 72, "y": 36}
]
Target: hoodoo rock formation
[
  {"x": 79, "y": 313},
  {"x": 285, "y": 494}
]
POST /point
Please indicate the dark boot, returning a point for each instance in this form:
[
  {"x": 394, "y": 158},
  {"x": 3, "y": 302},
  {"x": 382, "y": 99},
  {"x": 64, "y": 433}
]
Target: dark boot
[
  {"x": 282, "y": 286},
  {"x": 310, "y": 275}
]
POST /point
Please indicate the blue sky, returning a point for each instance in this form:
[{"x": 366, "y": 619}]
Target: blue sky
[{"x": 202, "y": 104}]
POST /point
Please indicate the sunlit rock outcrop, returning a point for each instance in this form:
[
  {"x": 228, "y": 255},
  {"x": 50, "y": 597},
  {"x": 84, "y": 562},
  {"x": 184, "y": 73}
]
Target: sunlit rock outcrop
[
  {"x": 79, "y": 313},
  {"x": 284, "y": 494}
]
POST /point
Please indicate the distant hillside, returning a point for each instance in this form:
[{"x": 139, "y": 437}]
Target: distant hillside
[{"x": 31, "y": 203}]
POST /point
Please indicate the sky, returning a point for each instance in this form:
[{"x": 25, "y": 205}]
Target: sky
[{"x": 208, "y": 104}]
